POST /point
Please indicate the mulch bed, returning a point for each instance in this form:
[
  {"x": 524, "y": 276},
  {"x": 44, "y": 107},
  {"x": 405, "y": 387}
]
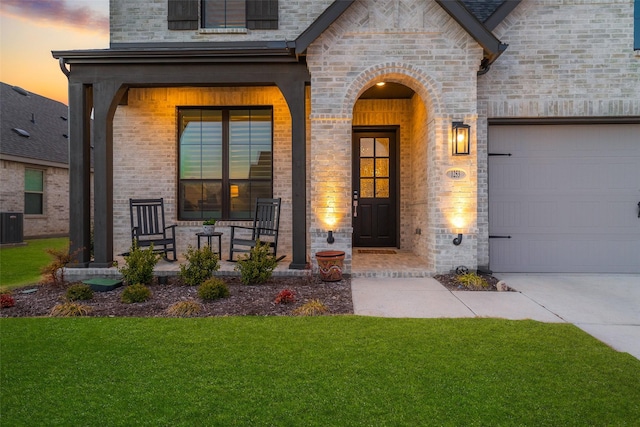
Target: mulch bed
[
  {"x": 449, "y": 281},
  {"x": 256, "y": 300}
]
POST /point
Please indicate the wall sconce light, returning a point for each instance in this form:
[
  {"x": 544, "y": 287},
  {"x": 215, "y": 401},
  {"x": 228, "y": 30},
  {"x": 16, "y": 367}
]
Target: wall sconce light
[
  {"x": 461, "y": 134},
  {"x": 330, "y": 238},
  {"x": 458, "y": 239},
  {"x": 235, "y": 191}
]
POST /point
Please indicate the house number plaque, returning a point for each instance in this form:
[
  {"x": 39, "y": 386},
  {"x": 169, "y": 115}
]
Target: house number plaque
[{"x": 456, "y": 174}]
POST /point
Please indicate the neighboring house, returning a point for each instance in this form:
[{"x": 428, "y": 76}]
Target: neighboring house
[
  {"x": 211, "y": 109},
  {"x": 34, "y": 153}
]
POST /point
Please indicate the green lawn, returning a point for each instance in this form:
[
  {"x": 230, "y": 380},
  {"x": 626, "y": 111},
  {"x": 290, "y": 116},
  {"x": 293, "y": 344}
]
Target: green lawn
[
  {"x": 326, "y": 371},
  {"x": 20, "y": 265}
]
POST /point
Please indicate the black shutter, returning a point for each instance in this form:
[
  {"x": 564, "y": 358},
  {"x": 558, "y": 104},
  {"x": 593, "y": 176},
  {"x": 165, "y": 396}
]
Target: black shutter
[
  {"x": 262, "y": 14},
  {"x": 183, "y": 14}
]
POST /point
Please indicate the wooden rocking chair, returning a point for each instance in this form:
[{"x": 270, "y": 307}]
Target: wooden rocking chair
[
  {"x": 265, "y": 228},
  {"x": 148, "y": 227}
]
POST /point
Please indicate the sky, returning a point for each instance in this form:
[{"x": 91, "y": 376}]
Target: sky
[{"x": 31, "y": 29}]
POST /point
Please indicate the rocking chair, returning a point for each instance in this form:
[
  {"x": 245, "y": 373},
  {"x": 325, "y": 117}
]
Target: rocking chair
[{"x": 265, "y": 229}]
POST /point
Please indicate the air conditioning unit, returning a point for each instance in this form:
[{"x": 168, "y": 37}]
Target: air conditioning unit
[{"x": 11, "y": 227}]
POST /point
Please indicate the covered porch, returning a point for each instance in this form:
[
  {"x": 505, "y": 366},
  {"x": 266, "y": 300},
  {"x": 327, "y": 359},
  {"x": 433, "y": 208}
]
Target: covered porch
[{"x": 366, "y": 262}]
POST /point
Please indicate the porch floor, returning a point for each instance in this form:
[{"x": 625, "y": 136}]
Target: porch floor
[
  {"x": 387, "y": 262},
  {"x": 366, "y": 262}
]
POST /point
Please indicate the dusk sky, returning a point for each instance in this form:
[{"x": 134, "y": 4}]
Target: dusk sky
[{"x": 31, "y": 29}]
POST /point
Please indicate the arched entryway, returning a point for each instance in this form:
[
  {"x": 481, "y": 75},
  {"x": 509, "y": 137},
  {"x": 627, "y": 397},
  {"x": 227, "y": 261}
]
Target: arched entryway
[{"x": 390, "y": 142}]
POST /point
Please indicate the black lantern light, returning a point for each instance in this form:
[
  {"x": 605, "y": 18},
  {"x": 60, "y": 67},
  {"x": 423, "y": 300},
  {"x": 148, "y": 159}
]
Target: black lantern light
[{"x": 461, "y": 135}]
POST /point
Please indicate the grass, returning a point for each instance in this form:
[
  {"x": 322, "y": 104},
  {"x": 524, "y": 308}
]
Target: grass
[
  {"x": 20, "y": 265},
  {"x": 322, "y": 371}
]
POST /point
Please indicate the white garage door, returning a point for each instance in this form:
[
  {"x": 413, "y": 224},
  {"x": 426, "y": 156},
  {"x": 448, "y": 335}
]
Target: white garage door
[{"x": 566, "y": 200}]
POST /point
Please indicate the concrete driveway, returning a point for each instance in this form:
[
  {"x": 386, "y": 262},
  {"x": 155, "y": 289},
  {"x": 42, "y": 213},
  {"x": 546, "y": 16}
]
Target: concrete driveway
[{"x": 606, "y": 306}]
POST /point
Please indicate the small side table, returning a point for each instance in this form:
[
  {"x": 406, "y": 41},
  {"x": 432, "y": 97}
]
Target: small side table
[{"x": 209, "y": 237}]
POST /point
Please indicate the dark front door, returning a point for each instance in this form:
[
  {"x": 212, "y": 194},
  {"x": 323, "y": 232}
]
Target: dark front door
[{"x": 374, "y": 189}]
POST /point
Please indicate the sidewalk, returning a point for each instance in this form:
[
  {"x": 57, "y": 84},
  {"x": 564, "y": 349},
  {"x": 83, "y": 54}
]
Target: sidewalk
[{"x": 607, "y": 307}]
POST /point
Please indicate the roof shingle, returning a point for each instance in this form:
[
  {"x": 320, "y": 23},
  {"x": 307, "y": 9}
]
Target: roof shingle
[{"x": 44, "y": 119}]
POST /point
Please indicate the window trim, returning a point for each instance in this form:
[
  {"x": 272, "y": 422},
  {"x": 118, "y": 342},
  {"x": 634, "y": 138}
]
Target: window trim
[
  {"x": 225, "y": 180},
  {"x": 43, "y": 173}
]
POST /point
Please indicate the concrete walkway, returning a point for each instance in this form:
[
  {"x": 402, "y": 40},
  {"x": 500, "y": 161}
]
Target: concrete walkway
[{"x": 605, "y": 306}]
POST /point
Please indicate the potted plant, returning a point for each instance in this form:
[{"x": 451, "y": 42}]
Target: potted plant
[{"x": 209, "y": 226}]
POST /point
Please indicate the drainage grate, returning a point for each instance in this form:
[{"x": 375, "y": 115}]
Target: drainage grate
[{"x": 376, "y": 251}]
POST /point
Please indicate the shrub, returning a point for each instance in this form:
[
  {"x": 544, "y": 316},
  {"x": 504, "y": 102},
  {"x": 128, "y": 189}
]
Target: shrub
[
  {"x": 6, "y": 301},
  {"x": 186, "y": 308},
  {"x": 79, "y": 292},
  {"x": 285, "y": 296},
  {"x": 202, "y": 263},
  {"x": 139, "y": 265},
  {"x": 55, "y": 269},
  {"x": 472, "y": 281},
  {"x": 312, "y": 308},
  {"x": 135, "y": 293},
  {"x": 257, "y": 267},
  {"x": 213, "y": 288},
  {"x": 70, "y": 309}
]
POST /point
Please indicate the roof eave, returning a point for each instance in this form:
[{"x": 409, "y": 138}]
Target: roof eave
[
  {"x": 278, "y": 51},
  {"x": 500, "y": 13},
  {"x": 323, "y": 22},
  {"x": 493, "y": 47}
]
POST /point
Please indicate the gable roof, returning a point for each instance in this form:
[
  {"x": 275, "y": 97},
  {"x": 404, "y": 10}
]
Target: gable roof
[
  {"x": 477, "y": 17},
  {"x": 42, "y": 119}
]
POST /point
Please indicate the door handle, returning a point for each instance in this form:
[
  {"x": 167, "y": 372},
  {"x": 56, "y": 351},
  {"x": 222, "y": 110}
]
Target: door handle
[{"x": 638, "y": 209}]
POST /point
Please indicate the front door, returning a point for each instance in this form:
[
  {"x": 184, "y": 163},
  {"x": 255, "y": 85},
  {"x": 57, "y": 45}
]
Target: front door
[{"x": 374, "y": 189}]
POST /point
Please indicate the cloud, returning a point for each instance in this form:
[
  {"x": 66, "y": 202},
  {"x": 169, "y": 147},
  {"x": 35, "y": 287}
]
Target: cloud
[{"x": 57, "y": 13}]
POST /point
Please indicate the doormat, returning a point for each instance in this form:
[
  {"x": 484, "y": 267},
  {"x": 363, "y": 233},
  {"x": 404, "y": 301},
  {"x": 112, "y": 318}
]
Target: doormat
[{"x": 376, "y": 251}]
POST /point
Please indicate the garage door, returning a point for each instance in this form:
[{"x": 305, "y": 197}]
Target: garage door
[{"x": 564, "y": 198}]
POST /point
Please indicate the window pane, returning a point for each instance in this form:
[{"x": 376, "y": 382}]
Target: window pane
[
  {"x": 212, "y": 199},
  {"x": 250, "y": 144},
  {"x": 33, "y": 180},
  {"x": 366, "y": 147},
  {"x": 241, "y": 203},
  {"x": 382, "y": 167},
  {"x": 244, "y": 204},
  {"x": 366, "y": 167},
  {"x": 382, "y": 188},
  {"x": 33, "y": 203},
  {"x": 223, "y": 13},
  {"x": 201, "y": 199},
  {"x": 382, "y": 147},
  {"x": 366, "y": 188},
  {"x": 200, "y": 144}
]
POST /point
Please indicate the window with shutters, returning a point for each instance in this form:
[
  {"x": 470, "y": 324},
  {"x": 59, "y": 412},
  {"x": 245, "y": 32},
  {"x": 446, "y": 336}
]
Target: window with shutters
[
  {"x": 226, "y": 161},
  {"x": 33, "y": 192},
  {"x": 224, "y": 14},
  {"x": 232, "y": 14}
]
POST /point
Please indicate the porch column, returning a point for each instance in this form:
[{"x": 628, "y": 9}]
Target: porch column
[
  {"x": 80, "y": 101},
  {"x": 293, "y": 89},
  {"x": 104, "y": 94}
]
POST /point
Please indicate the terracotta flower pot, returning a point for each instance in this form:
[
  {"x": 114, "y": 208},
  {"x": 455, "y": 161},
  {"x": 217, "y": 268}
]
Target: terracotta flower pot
[{"x": 330, "y": 265}]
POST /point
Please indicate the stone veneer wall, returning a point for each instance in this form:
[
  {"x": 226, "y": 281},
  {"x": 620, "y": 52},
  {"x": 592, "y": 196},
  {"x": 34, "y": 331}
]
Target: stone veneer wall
[
  {"x": 146, "y": 22},
  {"x": 55, "y": 219},
  {"x": 417, "y": 44},
  {"x": 566, "y": 58},
  {"x": 145, "y": 155}
]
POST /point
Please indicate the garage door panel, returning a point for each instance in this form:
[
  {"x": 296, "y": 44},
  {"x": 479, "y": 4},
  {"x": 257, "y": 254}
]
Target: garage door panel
[
  {"x": 567, "y": 197},
  {"x": 549, "y": 253}
]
